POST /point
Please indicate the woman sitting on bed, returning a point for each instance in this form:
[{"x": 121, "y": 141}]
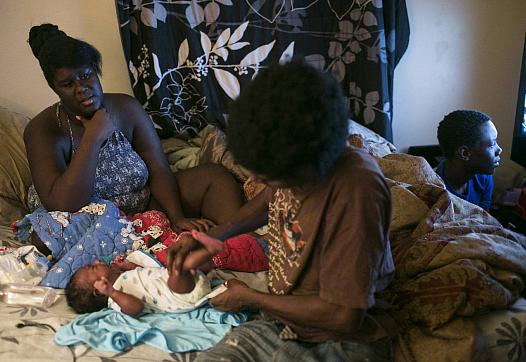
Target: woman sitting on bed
[{"x": 92, "y": 144}]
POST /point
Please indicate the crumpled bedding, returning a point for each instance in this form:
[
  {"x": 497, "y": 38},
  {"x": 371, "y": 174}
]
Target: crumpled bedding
[
  {"x": 452, "y": 258},
  {"x": 421, "y": 208},
  {"x": 243, "y": 253},
  {"x": 453, "y": 261},
  {"x": 99, "y": 231},
  {"x": 96, "y": 232}
]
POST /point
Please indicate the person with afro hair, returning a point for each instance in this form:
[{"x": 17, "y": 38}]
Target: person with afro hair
[
  {"x": 468, "y": 139},
  {"x": 328, "y": 210}
]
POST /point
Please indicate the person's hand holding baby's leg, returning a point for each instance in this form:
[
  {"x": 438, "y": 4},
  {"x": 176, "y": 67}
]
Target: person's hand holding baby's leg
[
  {"x": 202, "y": 257},
  {"x": 182, "y": 267}
]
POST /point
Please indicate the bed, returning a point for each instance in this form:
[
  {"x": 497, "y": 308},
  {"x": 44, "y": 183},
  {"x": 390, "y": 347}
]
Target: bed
[{"x": 460, "y": 275}]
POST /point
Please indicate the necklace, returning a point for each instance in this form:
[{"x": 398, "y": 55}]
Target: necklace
[{"x": 72, "y": 140}]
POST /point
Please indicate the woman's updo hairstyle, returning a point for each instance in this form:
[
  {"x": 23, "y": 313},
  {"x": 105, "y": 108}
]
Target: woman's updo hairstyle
[{"x": 54, "y": 50}]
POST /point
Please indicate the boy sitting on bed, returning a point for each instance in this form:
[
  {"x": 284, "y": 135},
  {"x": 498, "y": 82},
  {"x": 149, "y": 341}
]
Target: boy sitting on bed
[
  {"x": 130, "y": 285},
  {"x": 468, "y": 140},
  {"x": 328, "y": 210}
]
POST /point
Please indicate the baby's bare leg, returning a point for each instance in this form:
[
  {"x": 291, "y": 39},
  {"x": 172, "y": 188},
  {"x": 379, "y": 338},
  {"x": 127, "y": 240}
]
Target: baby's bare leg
[
  {"x": 197, "y": 259},
  {"x": 182, "y": 282}
]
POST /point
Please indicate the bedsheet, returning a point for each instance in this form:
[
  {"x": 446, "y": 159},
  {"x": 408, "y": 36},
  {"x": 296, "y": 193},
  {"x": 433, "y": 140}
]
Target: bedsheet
[{"x": 27, "y": 333}]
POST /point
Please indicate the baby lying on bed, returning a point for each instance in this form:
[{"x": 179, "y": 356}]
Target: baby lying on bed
[{"x": 130, "y": 285}]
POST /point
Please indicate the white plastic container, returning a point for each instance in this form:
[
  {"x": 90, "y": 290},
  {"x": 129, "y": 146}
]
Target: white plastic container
[
  {"x": 25, "y": 294},
  {"x": 23, "y": 265},
  {"x": 30, "y": 274}
]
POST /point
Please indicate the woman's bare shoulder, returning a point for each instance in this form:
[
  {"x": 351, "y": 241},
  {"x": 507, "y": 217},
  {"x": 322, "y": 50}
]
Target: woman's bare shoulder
[
  {"x": 124, "y": 105},
  {"x": 128, "y": 112},
  {"x": 119, "y": 100},
  {"x": 44, "y": 123},
  {"x": 43, "y": 132}
]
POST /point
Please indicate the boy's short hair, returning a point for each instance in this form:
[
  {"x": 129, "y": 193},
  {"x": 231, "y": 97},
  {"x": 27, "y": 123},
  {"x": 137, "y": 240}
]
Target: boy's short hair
[
  {"x": 290, "y": 123},
  {"x": 80, "y": 296},
  {"x": 458, "y": 128}
]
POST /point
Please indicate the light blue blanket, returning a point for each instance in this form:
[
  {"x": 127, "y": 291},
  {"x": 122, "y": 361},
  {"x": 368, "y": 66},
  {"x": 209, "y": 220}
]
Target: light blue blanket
[{"x": 109, "y": 330}]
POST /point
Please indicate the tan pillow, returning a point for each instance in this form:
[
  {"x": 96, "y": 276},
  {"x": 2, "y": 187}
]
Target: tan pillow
[{"x": 15, "y": 177}]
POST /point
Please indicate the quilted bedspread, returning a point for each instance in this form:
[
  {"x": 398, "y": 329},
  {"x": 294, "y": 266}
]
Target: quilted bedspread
[
  {"x": 453, "y": 261},
  {"x": 98, "y": 231}
]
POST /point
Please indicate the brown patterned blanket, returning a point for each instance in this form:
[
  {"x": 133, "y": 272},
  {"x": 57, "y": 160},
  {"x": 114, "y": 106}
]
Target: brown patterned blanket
[{"x": 452, "y": 258}]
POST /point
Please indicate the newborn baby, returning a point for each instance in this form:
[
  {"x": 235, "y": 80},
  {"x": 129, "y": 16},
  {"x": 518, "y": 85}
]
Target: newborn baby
[{"x": 130, "y": 285}]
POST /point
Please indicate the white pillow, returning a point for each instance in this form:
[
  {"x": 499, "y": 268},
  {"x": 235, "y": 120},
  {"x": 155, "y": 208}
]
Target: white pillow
[{"x": 373, "y": 142}]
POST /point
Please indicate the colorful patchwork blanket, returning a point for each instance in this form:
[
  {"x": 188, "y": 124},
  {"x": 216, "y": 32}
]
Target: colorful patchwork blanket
[{"x": 98, "y": 231}]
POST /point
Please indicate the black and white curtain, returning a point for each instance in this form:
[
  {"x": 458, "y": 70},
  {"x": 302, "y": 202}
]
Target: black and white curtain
[{"x": 188, "y": 59}]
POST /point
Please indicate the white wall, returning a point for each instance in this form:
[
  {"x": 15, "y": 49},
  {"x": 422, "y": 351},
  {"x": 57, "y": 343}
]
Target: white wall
[
  {"x": 22, "y": 84},
  {"x": 462, "y": 54}
]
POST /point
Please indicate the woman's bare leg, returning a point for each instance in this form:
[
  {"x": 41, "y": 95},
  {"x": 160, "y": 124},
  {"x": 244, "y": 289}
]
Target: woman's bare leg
[{"x": 209, "y": 191}]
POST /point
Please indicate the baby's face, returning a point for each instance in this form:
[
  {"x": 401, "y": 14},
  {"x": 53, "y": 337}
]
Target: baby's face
[{"x": 89, "y": 274}]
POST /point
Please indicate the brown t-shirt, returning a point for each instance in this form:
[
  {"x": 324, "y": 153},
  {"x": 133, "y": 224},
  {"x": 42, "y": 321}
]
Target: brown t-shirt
[{"x": 331, "y": 240}]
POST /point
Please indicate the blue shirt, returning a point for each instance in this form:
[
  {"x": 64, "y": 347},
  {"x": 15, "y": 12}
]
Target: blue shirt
[{"x": 479, "y": 190}]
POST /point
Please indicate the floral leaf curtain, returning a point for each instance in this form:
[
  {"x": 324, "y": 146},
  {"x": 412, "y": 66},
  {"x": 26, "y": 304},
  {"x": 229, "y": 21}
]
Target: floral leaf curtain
[{"x": 188, "y": 59}]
